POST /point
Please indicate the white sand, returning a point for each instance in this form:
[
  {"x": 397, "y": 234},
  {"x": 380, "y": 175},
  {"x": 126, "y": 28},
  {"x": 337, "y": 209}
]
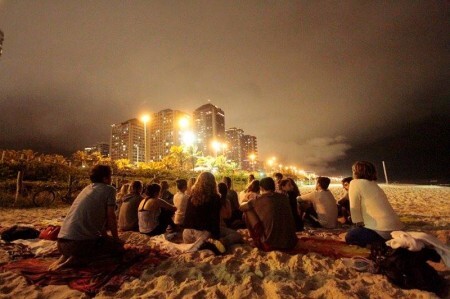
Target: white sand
[{"x": 248, "y": 273}]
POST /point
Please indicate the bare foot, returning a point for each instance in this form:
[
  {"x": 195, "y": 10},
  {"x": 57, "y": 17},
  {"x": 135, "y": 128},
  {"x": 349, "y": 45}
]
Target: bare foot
[{"x": 62, "y": 262}]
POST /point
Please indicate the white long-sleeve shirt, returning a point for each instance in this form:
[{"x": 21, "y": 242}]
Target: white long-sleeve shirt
[{"x": 369, "y": 204}]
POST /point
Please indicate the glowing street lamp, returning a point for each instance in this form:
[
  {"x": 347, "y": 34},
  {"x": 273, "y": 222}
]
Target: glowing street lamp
[
  {"x": 145, "y": 119},
  {"x": 188, "y": 138},
  {"x": 183, "y": 123},
  {"x": 252, "y": 157},
  {"x": 216, "y": 145}
]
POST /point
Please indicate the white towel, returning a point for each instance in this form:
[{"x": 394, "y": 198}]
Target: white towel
[{"x": 415, "y": 241}]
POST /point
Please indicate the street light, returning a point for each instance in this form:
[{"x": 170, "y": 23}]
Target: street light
[
  {"x": 216, "y": 146},
  {"x": 145, "y": 118},
  {"x": 252, "y": 157}
]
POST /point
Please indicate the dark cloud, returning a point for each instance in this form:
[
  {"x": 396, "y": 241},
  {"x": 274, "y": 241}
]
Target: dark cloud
[{"x": 314, "y": 81}]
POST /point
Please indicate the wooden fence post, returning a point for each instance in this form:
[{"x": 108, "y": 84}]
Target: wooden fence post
[{"x": 19, "y": 186}]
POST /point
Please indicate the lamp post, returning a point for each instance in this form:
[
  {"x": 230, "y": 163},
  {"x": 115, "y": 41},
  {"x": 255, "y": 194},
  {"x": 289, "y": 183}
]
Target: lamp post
[{"x": 145, "y": 118}]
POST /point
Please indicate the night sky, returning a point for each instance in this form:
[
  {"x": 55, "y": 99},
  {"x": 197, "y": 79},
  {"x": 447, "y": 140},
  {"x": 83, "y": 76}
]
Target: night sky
[{"x": 320, "y": 83}]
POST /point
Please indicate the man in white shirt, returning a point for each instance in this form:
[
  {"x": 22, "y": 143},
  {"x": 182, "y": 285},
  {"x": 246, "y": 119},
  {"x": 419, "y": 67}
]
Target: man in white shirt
[{"x": 318, "y": 208}]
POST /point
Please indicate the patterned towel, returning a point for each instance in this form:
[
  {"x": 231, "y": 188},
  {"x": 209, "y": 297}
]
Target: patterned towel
[{"x": 105, "y": 273}]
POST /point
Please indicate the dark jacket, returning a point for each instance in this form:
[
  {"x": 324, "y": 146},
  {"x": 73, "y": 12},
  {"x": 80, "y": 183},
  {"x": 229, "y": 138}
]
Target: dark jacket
[{"x": 204, "y": 217}]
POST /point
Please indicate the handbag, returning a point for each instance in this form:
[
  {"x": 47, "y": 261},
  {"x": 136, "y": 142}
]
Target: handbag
[{"x": 50, "y": 232}]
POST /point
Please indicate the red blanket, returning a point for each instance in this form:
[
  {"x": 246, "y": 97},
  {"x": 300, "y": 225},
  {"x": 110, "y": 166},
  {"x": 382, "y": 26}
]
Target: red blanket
[{"x": 104, "y": 274}]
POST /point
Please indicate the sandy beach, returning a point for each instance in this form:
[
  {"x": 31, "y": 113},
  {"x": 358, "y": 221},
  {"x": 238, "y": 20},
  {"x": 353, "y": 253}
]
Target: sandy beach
[{"x": 245, "y": 272}]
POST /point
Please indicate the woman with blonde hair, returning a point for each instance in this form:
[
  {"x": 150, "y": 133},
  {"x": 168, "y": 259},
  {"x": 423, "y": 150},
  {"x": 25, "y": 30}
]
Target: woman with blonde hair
[
  {"x": 124, "y": 190},
  {"x": 202, "y": 219}
]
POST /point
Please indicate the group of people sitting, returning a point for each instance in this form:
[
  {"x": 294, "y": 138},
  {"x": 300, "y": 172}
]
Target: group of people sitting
[{"x": 209, "y": 213}]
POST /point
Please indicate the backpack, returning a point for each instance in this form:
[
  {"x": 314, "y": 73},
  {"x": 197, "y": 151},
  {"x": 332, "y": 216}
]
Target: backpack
[
  {"x": 19, "y": 232},
  {"x": 408, "y": 269}
]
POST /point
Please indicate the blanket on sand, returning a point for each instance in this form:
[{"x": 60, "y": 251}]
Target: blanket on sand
[{"x": 106, "y": 273}]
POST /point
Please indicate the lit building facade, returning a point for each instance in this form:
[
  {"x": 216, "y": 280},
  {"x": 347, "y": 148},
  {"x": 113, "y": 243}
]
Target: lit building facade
[
  {"x": 209, "y": 125},
  {"x": 165, "y": 132},
  {"x": 101, "y": 147},
  {"x": 127, "y": 141},
  {"x": 234, "y": 141},
  {"x": 249, "y": 147}
]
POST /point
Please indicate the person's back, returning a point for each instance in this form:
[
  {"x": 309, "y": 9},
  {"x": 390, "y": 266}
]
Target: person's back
[
  {"x": 370, "y": 205},
  {"x": 128, "y": 214},
  {"x": 180, "y": 201},
  {"x": 324, "y": 204},
  {"x": 87, "y": 215},
  {"x": 274, "y": 211}
]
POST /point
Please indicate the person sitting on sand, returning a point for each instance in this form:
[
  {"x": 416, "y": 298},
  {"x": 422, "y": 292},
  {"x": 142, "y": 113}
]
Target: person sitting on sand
[
  {"x": 83, "y": 235},
  {"x": 154, "y": 213},
  {"x": 269, "y": 219},
  {"x": 344, "y": 203},
  {"x": 166, "y": 195},
  {"x": 371, "y": 211},
  {"x": 128, "y": 213},
  {"x": 202, "y": 220},
  {"x": 228, "y": 236},
  {"x": 235, "y": 221},
  {"x": 190, "y": 184},
  {"x": 124, "y": 190},
  {"x": 249, "y": 193},
  {"x": 290, "y": 189},
  {"x": 180, "y": 200},
  {"x": 318, "y": 208},
  {"x": 278, "y": 176}
]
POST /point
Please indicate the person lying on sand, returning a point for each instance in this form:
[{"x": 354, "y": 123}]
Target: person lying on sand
[{"x": 83, "y": 234}]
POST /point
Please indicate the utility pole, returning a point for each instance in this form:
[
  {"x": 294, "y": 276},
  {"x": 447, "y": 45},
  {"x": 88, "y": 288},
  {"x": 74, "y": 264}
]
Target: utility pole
[{"x": 385, "y": 173}]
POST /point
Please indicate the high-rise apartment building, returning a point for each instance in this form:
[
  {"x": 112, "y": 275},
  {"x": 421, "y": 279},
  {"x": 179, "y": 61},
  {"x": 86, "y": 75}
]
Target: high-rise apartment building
[
  {"x": 249, "y": 152},
  {"x": 127, "y": 141},
  {"x": 101, "y": 147},
  {"x": 165, "y": 132},
  {"x": 234, "y": 142},
  {"x": 209, "y": 125}
]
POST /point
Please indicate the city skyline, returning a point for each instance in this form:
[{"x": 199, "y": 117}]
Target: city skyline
[{"x": 321, "y": 85}]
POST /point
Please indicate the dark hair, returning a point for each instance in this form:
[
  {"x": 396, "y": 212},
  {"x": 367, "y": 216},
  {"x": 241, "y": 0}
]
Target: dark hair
[
  {"x": 152, "y": 190},
  {"x": 347, "y": 180},
  {"x": 99, "y": 173},
  {"x": 136, "y": 186},
  {"x": 296, "y": 191},
  {"x": 227, "y": 181},
  {"x": 181, "y": 184},
  {"x": 267, "y": 184},
  {"x": 253, "y": 187},
  {"x": 164, "y": 185},
  {"x": 251, "y": 177},
  {"x": 283, "y": 182},
  {"x": 364, "y": 170},
  {"x": 323, "y": 182},
  {"x": 223, "y": 190},
  {"x": 278, "y": 175}
]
